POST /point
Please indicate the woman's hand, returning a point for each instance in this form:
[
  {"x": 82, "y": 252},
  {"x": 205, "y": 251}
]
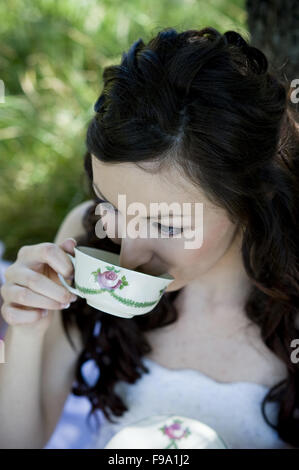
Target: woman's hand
[{"x": 32, "y": 288}]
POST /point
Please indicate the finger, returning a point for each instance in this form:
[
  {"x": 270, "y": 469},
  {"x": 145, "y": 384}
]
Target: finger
[
  {"x": 24, "y": 296},
  {"x": 48, "y": 253},
  {"x": 68, "y": 245},
  {"x": 38, "y": 283},
  {"x": 14, "y": 315}
]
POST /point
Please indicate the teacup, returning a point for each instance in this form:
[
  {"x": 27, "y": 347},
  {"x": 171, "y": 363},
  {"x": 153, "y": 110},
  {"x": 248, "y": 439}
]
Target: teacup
[{"x": 111, "y": 288}]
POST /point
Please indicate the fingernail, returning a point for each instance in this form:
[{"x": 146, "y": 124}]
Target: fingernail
[
  {"x": 74, "y": 298},
  {"x": 65, "y": 306}
]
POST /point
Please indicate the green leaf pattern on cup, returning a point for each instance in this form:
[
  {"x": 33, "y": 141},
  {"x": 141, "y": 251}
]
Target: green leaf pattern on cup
[{"x": 109, "y": 281}]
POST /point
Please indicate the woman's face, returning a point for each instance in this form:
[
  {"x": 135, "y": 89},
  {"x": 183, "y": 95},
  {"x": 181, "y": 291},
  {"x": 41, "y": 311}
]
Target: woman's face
[{"x": 157, "y": 255}]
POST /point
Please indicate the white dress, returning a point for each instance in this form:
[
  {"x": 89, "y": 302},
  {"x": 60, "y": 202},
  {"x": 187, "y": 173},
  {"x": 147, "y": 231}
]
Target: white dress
[{"x": 233, "y": 410}]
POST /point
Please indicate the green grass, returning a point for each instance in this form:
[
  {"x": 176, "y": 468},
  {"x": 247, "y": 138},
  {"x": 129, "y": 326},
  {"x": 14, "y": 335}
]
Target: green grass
[{"x": 51, "y": 60}]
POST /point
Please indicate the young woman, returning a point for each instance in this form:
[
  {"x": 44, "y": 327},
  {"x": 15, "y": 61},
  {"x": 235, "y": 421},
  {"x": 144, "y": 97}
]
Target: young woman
[{"x": 189, "y": 117}]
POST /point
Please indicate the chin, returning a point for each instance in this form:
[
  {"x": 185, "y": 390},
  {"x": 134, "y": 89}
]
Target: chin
[{"x": 174, "y": 285}]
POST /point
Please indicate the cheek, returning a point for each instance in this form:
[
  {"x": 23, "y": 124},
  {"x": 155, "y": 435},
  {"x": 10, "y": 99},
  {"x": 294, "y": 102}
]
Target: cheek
[
  {"x": 216, "y": 240},
  {"x": 216, "y": 236}
]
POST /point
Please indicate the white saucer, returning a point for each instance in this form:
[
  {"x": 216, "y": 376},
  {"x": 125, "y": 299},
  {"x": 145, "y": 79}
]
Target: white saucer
[{"x": 166, "y": 432}]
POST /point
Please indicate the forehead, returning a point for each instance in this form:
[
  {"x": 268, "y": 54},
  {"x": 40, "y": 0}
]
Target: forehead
[{"x": 138, "y": 185}]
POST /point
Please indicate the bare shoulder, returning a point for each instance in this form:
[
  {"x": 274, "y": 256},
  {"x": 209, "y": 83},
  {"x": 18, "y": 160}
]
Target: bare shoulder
[
  {"x": 59, "y": 358},
  {"x": 72, "y": 223}
]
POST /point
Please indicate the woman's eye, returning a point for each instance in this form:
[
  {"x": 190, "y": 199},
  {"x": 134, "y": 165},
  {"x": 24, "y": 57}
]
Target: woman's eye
[
  {"x": 169, "y": 230},
  {"x": 161, "y": 228}
]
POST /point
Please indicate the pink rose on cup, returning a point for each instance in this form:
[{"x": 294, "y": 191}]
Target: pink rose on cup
[
  {"x": 175, "y": 431},
  {"x": 108, "y": 280}
]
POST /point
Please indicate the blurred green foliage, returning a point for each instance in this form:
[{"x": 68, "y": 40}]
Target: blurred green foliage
[{"x": 52, "y": 56}]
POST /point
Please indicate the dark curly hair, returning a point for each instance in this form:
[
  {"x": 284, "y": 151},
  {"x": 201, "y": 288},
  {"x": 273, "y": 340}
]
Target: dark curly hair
[{"x": 204, "y": 101}]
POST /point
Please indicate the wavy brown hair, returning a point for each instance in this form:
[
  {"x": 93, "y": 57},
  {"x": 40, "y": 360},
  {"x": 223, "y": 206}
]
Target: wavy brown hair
[{"x": 206, "y": 102}]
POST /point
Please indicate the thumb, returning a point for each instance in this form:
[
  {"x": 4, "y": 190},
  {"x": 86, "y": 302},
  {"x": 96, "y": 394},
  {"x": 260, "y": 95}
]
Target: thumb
[{"x": 68, "y": 245}]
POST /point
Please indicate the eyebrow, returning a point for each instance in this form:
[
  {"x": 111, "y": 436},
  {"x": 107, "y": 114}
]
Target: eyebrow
[{"x": 159, "y": 217}]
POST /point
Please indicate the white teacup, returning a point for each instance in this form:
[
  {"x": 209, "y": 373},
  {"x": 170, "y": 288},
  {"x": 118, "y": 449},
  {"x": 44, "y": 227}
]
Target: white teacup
[{"x": 108, "y": 287}]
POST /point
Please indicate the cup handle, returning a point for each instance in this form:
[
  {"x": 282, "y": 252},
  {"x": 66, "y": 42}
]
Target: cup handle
[{"x": 62, "y": 280}]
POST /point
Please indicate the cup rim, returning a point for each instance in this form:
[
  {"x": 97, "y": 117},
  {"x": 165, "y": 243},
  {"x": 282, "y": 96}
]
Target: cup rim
[{"x": 169, "y": 278}]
